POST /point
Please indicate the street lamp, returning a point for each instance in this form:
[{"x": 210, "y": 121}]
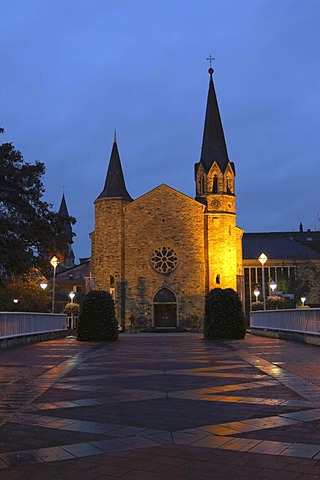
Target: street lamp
[
  {"x": 43, "y": 284},
  {"x": 54, "y": 262},
  {"x": 72, "y": 295},
  {"x": 303, "y": 299},
  {"x": 256, "y": 292},
  {"x": 262, "y": 259},
  {"x": 273, "y": 286}
]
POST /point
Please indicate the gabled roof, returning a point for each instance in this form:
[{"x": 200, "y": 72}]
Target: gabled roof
[
  {"x": 114, "y": 186},
  {"x": 213, "y": 143},
  {"x": 164, "y": 191},
  {"x": 281, "y": 248},
  {"x": 76, "y": 273}
]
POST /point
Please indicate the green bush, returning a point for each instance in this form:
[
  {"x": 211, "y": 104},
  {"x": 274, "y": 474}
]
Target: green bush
[
  {"x": 223, "y": 317},
  {"x": 97, "y": 321}
]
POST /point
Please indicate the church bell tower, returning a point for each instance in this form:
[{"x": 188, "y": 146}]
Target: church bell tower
[
  {"x": 108, "y": 267},
  {"x": 215, "y": 188}
]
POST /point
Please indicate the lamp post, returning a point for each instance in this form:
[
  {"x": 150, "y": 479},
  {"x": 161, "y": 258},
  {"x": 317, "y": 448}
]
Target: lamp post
[
  {"x": 262, "y": 259},
  {"x": 273, "y": 286},
  {"x": 256, "y": 292},
  {"x": 15, "y": 304},
  {"x": 303, "y": 299},
  {"x": 54, "y": 262},
  {"x": 72, "y": 295},
  {"x": 43, "y": 284}
]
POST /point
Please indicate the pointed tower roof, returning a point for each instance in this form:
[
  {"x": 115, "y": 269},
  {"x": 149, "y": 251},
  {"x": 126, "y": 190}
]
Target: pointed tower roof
[
  {"x": 213, "y": 144},
  {"x": 66, "y": 225},
  {"x": 115, "y": 186},
  {"x": 63, "y": 211},
  {"x": 64, "y": 216}
]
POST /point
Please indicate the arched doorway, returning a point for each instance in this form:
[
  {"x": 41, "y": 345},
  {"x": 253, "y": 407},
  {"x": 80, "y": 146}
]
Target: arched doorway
[{"x": 165, "y": 309}]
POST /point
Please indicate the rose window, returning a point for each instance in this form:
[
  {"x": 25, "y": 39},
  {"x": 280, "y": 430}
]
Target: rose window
[{"x": 164, "y": 260}]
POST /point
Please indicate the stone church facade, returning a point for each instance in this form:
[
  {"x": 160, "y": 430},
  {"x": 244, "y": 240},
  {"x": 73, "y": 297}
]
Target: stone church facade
[{"x": 158, "y": 255}]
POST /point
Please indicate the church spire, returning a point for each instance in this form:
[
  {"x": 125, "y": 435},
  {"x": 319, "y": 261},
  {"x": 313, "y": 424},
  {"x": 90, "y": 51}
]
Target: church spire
[
  {"x": 114, "y": 186},
  {"x": 63, "y": 215},
  {"x": 213, "y": 143},
  {"x": 63, "y": 211}
]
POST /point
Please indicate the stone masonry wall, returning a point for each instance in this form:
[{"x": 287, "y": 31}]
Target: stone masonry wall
[
  {"x": 108, "y": 245},
  {"x": 165, "y": 217}
]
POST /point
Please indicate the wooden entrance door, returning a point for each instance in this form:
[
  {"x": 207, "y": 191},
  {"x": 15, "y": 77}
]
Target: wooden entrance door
[
  {"x": 165, "y": 309},
  {"x": 165, "y": 316}
]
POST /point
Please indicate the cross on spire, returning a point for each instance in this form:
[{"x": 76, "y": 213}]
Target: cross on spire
[{"x": 210, "y": 59}]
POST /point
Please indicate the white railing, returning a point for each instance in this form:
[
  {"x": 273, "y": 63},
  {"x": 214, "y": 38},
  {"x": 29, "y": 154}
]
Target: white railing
[
  {"x": 300, "y": 320},
  {"x": 17, "y": 324}
]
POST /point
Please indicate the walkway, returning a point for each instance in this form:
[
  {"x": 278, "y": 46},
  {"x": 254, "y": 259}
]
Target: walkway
[{"x": 160, "y": 407}]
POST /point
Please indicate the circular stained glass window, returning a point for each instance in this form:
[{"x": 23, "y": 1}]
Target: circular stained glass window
[{"x": 164, "y": 260}]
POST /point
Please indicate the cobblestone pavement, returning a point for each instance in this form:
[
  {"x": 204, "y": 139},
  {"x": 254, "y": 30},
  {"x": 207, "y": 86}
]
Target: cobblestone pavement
[{"x": 160, "y": 407}]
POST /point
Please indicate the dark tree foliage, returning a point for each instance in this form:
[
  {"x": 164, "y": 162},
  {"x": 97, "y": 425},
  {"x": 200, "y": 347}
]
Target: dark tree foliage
[
  {"x": 30, "y": 233},
  {"x": 97, "y": 321},
  {"x": 25, "y": 288},
  {"x": 224, "y": 318}
]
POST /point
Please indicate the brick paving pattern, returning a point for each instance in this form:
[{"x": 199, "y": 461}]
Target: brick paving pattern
[{"x": 160, "y": 407}]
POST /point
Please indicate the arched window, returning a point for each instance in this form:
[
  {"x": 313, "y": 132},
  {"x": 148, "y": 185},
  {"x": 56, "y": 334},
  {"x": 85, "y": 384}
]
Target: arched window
[
  {"x": 202, "y": 185},
  {"x": 215, "y": 184},
  {"x": 164, "y": 295},
  {"x": 229, "y": 186}
]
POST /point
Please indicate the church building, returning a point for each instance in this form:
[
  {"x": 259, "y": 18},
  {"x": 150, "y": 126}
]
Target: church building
[{"x": 159, "y": 254}]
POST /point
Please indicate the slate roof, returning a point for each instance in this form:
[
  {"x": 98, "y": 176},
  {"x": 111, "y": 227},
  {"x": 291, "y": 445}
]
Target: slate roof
[
  {"x": 115, "y": 186},
  {"x": 213, "y": 144},
  {"x": 63, "y": 211},
  {"x": 275, "y": 248},
  {"x": 64, "y": 217},
  {"x": 76, "y": 273}
]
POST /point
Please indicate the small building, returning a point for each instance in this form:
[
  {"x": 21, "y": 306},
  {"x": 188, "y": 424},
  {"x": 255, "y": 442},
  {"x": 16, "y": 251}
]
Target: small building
[
  {"x": 293, "y": 257},
  {"x": 77, "y": 279}
]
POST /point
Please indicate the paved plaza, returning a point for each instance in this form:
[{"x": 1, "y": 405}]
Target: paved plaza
[{"x": 160, "y": 407}]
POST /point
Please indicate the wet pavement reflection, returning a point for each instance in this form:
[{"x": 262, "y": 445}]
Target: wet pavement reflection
[{"x": 156, "y": 406}]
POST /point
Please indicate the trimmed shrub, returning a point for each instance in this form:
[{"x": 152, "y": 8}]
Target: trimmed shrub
[
  {"x": 97, "y": 321},
  {"x": 223, "y": 318}
]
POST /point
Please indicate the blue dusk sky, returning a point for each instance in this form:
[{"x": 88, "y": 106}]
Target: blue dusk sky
[{"x": 72, "y": 71}]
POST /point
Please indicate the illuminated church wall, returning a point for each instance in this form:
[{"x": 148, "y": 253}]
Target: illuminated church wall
[{"x": 165, "y": 218}]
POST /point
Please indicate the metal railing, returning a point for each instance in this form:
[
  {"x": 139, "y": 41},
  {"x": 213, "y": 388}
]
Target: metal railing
[
  {"x": 300, "y": 320},
  {"x": 17, "y": 324}
]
